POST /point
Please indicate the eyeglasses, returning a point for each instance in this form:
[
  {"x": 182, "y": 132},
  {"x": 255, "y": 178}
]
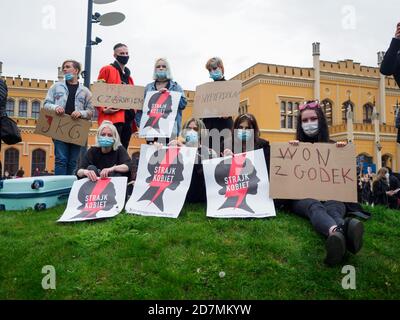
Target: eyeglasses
[{"x": 310, "y": 105}]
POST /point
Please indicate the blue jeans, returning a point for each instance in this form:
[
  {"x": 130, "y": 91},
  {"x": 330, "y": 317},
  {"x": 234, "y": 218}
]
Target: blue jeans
[{"x": 66, "y": 155}]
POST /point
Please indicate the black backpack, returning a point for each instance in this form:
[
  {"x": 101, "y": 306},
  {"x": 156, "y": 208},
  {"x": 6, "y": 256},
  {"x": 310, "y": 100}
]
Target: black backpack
[{"x": 9, "y": 131}]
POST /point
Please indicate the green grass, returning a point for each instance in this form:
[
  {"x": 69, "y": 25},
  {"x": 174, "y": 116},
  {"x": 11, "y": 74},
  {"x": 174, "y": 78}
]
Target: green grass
[{"x": 133, "y": 257}]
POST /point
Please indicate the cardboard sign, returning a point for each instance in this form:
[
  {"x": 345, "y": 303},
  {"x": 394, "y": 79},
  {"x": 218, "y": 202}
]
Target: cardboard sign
[
  {"x": 120, "y": 96},
  {"x": 90, "y": 200},
  {"x": 162, "y": 181},
  {"x": 217, "y": 99},
  {"x": 238, "y": 187},
  {"x": 63, "y": 127},
  {"x": 319, "y": 171},
  {"x": 159, "y": 114}
]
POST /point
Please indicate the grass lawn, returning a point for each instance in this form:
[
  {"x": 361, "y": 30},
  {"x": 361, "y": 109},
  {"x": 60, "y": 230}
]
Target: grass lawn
[{"x": 133, "y": 257}]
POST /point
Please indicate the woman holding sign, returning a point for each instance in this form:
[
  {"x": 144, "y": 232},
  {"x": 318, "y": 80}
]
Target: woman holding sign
[
  {"x": 216, "y": 70},
  {"x": 246, "y": 137},
  {"x": 108, "y": 158},
  {"x": 192, "y": 136},
  {"x": 163, "y": 82},
  {"x": 326, "y": 217}
]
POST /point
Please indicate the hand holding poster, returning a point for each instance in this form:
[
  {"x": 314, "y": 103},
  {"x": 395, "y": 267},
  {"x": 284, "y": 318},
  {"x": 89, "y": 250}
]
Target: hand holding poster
[
  {"x": 159, "y": 114},
  {"x": 162, "y": 181},
  {"x": 319, "y": 171},
  {"x": 217, "y": 99},
  {"x": 63, "y": 127},
  {"x": 238, "y": 187},
  {"x": 119, "y": 96},
  {"x": 90, "y": 200}
]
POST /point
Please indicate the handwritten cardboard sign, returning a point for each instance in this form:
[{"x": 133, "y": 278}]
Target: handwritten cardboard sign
[
  {"x": 63, "y": 128},
  {"x": 319, "y": 171},
  {"x": 217, "y": 99},
  {"x": 119, "y": 96}
]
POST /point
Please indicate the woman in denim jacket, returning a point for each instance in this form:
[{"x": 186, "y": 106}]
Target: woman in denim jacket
[
  {"x": 72, "y": 98},
  {"x": 163, "y": 82}
]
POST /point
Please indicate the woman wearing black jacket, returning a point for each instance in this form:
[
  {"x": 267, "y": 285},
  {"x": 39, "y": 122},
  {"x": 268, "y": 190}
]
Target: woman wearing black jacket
[
  {"x": 391, "y": 62},
  {"x": 327, "y": 217},
  {"x": 380, "y": 187}
]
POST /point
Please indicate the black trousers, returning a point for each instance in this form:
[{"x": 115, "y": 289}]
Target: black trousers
[
  {"x": 323, "y": 215},
  {"x": 125, "y": 131}
]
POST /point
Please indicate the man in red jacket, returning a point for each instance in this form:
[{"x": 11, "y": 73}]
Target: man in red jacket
[{"x": 118, "y": 73}]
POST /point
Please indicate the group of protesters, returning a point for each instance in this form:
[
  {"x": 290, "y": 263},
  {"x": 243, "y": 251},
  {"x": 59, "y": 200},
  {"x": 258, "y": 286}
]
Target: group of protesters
[{"x": 109, "y": 156}]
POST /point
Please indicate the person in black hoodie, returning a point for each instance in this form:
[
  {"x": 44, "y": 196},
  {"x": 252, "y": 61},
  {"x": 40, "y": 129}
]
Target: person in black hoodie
[
  {"x": 327, "y": 217},
  {"x": 3, "y": 103},
  {"x": 390, "y": 65},
  {"x": 216, "y": 70}
]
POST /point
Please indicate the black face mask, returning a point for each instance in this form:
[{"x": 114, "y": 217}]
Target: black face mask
[{"x": 123, "y": 59}]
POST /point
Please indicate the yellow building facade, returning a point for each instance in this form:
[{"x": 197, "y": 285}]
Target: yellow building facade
[{"x": 271, "y": 92}]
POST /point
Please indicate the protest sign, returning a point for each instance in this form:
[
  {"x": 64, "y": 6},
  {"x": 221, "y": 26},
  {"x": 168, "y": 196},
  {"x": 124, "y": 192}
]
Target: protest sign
[
  {"x": 90, "y": 200},
  {"x": 159, "y": 114},
  {"x": 319, "y": 171},
  {"x": 118, "y": 96},
  {"x": 238, "y": 187},
  {"x": 63, "y": 127},
  {"x": 217, "y": 99},
  {"x": 162, "y": 181}
]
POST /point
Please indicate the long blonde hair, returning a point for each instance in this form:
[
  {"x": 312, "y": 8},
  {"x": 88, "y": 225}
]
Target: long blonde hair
[
  {"x": 381, "y": 174},
  {"x": 109, "y": 124}
]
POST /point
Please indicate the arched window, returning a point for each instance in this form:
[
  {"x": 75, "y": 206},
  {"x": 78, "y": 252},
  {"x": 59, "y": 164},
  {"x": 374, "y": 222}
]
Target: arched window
[
  {"x": 11, "y": 160},
  {"x": 38, "y": 160},
  {"x": 345, "y": 107},
  {"x": 10, "y": 107},
  {"x": 35, "y": 109},
  {"x": 367, "y": 113},
  {"x": 23, "y": 108},
  {"x": 326, "y": 106}
]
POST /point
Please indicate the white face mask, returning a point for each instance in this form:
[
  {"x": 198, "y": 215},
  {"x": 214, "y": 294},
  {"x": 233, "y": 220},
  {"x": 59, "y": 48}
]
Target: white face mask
[
  {"x": 387, "y": 176},
  {"x": 310, "y": 128}
]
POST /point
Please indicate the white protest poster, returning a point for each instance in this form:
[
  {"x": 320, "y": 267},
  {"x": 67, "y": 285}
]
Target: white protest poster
[
  {"x": 162, "y": 181},
  {"x": 238, "y": 186},
  {"x": 90, "y": 200},
  {"x": 159, "y": 114}
]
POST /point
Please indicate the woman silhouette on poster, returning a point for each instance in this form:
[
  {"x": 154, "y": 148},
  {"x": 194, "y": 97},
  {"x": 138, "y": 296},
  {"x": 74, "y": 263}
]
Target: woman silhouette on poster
[
  {"x": 160, "y": 106},
  {"x": 164, "y": 174},
  {"x": 242, "y": 179}
]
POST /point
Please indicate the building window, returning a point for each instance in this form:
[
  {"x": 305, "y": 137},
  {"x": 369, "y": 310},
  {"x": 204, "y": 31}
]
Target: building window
[
  {"x": 38, "y": 160},
  {"x": 23, "y": 108},
  {"x": 35, "y": 109},
  {"x": 11, "y": 161},
  {"x": 345, "y": 107},
  {"x": 326, "y": 106},
  {"x": 10, "y": 107},
  {"x": 289, "y": 111},
  {"x": 243, "y": 108},
  {"x": 368, "y": 109}
]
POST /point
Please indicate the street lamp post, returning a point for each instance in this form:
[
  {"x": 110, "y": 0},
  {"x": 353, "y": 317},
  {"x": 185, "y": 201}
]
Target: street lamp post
[{"x": 108, "y": 19}]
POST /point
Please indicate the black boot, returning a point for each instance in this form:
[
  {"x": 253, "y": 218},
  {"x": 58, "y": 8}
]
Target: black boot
[
  {"x": 354, "y": 231},
  {"x": 335, "y": 247}
]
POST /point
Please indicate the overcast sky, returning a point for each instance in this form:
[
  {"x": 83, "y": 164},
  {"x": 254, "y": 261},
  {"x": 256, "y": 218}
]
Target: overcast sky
[{"x": 37, "y": 35}]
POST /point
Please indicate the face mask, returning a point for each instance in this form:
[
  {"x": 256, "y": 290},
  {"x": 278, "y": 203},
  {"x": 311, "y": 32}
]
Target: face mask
[
  {"x": 105, "y": 142},
  {"x": 123, "y": 59},
  {"x": 244, "y": 135},
  {"x": 161, "y": 74},
  {"x": 216, "y": 74},
  {"x": 192, "y": 136},
  {"x": 310, "y": 128},
  {"x": 387, "y": 176},
  {"x": 68, "y": 76}
]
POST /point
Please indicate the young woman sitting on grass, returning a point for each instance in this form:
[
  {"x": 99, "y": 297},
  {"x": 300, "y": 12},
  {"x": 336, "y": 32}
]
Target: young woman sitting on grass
[{"x": 327, "y": 217}]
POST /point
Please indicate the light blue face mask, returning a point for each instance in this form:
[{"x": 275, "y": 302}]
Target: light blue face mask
[
  {"x": 68, "y": 76},
  {"x": 192, "y": 137},
  {"x": 105, "y": 142},
  {"x": 244, "y": 135},
  {"x": 161, "y": 74},
  {"x": 216, "y": 74}
]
